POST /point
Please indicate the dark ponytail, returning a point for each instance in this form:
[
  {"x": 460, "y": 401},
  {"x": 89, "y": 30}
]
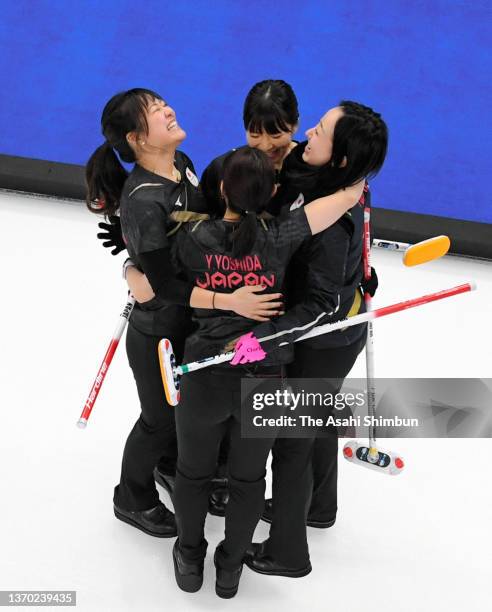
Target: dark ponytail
[
  {"x": 105, "y": 176},
  {"x": 249, "y": 180}
]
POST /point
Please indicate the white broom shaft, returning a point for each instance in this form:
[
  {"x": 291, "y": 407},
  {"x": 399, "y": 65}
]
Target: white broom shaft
[
  {"x": 356, "y": 320},
  {"x": 224, "y": 357},
  {"x": 370, "y": 373},
  {"x": 204, "y": 363},
  {"x": 390, "y": 245},
  {"x": 387, "y": 310}
]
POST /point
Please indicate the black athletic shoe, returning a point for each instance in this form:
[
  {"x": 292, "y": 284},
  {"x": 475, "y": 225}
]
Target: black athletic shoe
[
  {"x": 311, "y": 522},
  {"x": 218, "y": 499},
  {"x": 165, "y": 480},
  {"x": 227, "y": 581},
  {"x": 189, "y": 576},
  {"x": 259, "y": 562},
  {"x": 157, "y": 521}
]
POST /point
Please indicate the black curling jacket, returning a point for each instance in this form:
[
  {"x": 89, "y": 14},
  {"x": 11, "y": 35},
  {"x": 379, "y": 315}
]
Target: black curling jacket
[
  {"x": 325, "y": 273},
  {"x": 203, "y": 254},
  {"x": 152, "y": 208}
]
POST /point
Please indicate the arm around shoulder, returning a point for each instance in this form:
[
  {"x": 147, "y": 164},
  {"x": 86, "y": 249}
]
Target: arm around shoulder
[{"x": 325, "y": 211}]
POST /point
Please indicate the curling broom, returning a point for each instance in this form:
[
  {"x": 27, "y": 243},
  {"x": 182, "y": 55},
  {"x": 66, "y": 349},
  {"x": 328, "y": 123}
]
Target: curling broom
[
  {"x": 106, "y": 362},
  {"x": 171, "y": 373}
]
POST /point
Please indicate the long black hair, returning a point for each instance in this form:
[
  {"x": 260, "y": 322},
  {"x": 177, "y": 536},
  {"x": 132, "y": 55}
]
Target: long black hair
[
  {"x": 360, "y": 136},
  {"x": 249, "y": 180},
  {"x": 271, "y": 107},
  {"x": 104, "y": 174}
]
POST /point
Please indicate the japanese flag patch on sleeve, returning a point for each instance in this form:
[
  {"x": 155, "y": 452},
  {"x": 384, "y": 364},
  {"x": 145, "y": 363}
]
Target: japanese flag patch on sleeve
[
  {"x": 299, "y": 201},
  {"x": 191, "y": 177}
]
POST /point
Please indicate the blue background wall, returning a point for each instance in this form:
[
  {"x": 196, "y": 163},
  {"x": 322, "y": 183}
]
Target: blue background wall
[{"x": 425, "y": 65}]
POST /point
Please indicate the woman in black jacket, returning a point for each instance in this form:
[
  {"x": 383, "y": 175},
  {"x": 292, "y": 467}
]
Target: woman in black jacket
[{"x": 159, "y": 193}]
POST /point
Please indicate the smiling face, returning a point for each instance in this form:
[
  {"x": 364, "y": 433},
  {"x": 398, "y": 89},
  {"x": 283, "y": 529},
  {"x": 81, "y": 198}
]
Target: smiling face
[
  {"x": 276, "y": 146},
  {"x": 162, "y": 122},
  {"x": 319, "y": 149},
  {"x": 163, "y": 128}
]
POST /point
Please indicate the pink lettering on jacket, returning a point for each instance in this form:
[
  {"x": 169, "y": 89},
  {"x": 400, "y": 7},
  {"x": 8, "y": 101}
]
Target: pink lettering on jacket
[{"x": 226, "y": 272}]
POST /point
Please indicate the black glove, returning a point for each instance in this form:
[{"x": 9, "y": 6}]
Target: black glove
[
  {"x": 370, "y": 285},
  {"x": 112, "y": 235}
]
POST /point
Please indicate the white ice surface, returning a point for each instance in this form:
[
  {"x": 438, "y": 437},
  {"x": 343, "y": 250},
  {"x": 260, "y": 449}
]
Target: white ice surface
[{"x": 419, "y": 541}]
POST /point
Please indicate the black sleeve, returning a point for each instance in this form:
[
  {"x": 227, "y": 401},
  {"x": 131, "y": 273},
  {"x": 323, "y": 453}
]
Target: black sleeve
[
  {"x": 158, "y": 268},
  {"x": 144, "y": 224},
  {"x": 326, "y": 256},
  {"x": 292, "y": 229}
]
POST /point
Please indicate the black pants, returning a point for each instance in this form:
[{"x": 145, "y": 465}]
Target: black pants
[
  {"x": 210, "y": 406},
  {"x": 304, "y": 470},
  {"x": 153, "y": 437}
]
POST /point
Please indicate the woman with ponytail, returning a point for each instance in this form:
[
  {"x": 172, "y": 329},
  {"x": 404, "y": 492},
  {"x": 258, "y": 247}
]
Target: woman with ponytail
[
  {"x": 270, "y": 119},
  {"x": 241, "y": 248},
  {"x": 161, "y": 191}
]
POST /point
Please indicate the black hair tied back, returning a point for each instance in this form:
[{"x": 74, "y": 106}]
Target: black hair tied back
[
  {"x": 105, "y": 176},
  {"x": 249, "y": 180}
]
